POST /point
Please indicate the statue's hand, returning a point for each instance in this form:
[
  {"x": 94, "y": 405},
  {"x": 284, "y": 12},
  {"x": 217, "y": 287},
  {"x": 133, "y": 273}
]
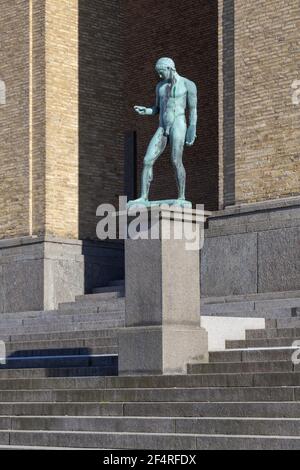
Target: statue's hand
[
  {"x": 141, "y": 110},
  {"x": 190, "y": 135}
]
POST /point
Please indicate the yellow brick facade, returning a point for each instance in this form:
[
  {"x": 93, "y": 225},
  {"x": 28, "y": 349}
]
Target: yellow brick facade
[
  {"x": 61, "y": 171},
  {"x": 39, "y": 122},
  {"x": 62, "y": 127},
  {"x": 14, "y": 119},
  {"x": 267, "y": 123}
]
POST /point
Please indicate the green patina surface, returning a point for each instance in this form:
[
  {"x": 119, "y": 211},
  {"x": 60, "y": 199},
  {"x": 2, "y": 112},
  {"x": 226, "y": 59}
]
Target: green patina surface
[{"x": 168, "y": 202}]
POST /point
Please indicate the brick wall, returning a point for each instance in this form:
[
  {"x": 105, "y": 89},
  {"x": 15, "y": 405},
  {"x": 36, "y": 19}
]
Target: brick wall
[
  {"x": 71, "y": 157},
  {"x": 267, "y": 133},
  {"x": 101, "y": 99},
  {"x": 73, "y": 70},
  {"x": 226, "y": 103},
  {"x": 39, "y": 122},
  {"x": 14, "y": 119},
  {"x": 37, "y": 134},
  {"x": 187, "y": 31},
  {"x": 61, "y": 46}
]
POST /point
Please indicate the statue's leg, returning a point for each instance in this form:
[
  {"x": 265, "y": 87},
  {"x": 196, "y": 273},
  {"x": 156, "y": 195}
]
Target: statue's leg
[
  {"x": 177, "y": 139},
  {"x": 155, "y": 148}
]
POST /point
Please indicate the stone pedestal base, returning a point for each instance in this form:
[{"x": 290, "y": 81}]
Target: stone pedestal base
[
  {"x": 161, "y": 350},
  {"x": 163, "y": 331}
]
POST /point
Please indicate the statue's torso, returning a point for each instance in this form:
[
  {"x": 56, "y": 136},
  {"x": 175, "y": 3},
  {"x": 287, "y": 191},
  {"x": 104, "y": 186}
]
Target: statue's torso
[{"x": 172, "y": 101}]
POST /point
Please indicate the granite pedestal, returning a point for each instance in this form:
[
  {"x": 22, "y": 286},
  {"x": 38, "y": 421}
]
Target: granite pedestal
[{"x": 163, "y": 332}]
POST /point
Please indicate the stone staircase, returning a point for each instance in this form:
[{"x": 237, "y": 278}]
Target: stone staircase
[
  {"x": 80, "y": 334},
  {"x": 271, "y": 305},
  {"x": 59, "y": 388}
]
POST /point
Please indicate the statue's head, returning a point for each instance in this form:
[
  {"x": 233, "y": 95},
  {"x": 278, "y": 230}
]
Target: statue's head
[{"x": 165, "y": 68}]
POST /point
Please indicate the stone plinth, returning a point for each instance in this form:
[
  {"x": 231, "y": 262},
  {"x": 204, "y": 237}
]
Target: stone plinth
[
  {"x": 163, "y": 332},
  {"x": 252, "y": 249},
  {"x": 37, "y": 273}
]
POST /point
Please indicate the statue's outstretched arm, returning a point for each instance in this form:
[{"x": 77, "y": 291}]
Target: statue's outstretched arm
[
  {"x": 192, "y": 104},
  {"x": 149, "y": 111}
]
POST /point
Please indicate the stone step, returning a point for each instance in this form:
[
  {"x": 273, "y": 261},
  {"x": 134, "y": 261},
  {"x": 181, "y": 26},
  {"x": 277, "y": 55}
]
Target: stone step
[
  {"x": 270, "y": 333},
  {"x": 263, "y": 296},
  {"x": 53, "y": 314},
  {"x": 63, "y": 372},
  {"x": 272, "y": 305},
  {"x": 243, "y": 367},
  {"x": 292, "y": 304},
  {"x": 203, "y": 380},
  {"x": 288, "y": 322},
  {"x": 92, "y": 305},
  {"x": 106, "y": 360},
  {"x": 152, "y": 441},
  {"x": 59, "y": 327},
  {"x": 27, "y": 314},
  {"x": 217, "y": 409},
  {"x": 158, "y": 382},
  {"x": 203, "y": 394},
  {"x": 102, "y": 293},
  {"x": 54, "y": 383},
  {"x": 157, "y": 409},
  {"x": 242, "y": 355},
  {"x": 62, "y": 336},
  {"x": 11, "y": 447},
  {"x": 59, "y": 318},
  {"x": 202, "y": 425},
  {"x": 242, "y": 312},
  {"x": 260, "y": 343},
  {"x": 89, "y": 352},
  {"x": 64, "y": 409},
  {"x": 247, "y": 309},
  {"x": 59, "y": 347},
  {"x": 252, "y": 355},
  {"x": 291, "y": 322}
]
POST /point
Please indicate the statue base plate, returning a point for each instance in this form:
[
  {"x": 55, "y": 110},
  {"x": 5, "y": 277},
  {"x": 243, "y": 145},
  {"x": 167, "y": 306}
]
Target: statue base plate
[{"x": 167, "y": 202}]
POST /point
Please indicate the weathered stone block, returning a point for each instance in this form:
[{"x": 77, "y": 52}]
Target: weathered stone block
[
  {"x": 39, "y": 273},
  {"x": 229, "y": 265},
  {"x": 279, "y": 260}
]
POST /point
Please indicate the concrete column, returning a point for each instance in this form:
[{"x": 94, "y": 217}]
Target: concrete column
[{"x": 163, "y": 332}]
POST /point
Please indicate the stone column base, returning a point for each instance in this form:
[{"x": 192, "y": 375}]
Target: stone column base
[{"x": 155, "y": 350}]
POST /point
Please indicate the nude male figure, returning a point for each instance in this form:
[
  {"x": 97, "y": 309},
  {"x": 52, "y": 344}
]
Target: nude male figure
[{"x": 173, "y": 94}]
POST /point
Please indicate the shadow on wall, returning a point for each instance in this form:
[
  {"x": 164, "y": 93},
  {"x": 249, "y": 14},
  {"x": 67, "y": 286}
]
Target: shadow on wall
[
  {"x": 101, "y": 65},
  {"x": 229, "y": 102}
]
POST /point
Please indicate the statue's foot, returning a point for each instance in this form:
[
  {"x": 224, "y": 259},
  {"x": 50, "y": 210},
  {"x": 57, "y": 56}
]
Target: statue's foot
[
  {"x": 140, "y": 202},
  {"x": 182, "y": 202}
]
